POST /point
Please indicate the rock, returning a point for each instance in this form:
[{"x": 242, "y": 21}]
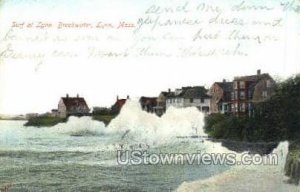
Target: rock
[{"x": 292, "y": 164}]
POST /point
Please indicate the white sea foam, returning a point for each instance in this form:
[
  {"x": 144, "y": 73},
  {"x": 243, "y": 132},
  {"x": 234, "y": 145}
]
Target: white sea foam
[
  {"x": 151, "y": 129},
  {"x": 80, "y": 126}
]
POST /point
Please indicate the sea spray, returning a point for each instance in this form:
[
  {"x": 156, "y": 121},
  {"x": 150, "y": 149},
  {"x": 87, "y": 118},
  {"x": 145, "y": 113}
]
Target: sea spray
[
  {"x": 80, "y": 126},
  {"x": 149, "y": 128}
]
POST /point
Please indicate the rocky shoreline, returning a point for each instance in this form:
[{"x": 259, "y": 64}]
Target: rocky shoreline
[{"x": 261, "y": 148}]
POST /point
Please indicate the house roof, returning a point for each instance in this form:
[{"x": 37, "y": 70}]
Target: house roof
[
  {"x": 195, "y": 92},
  {"x": 167, "y": 93},
  {"x": 144, "y": 99},
  {"x": 120, "y": 102},
  {"x": 192, "y": 92},
  {"x": 71, "y": 102},
  {"x": 226, "y": 86},
  {"x": 253, "y": 77}
]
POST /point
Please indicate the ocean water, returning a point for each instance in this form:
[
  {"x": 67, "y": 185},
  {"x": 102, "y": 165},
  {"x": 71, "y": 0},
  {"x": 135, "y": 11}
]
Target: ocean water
[
  {"x": 81, "y": 155},
  {"x": 35, "y": 159}
]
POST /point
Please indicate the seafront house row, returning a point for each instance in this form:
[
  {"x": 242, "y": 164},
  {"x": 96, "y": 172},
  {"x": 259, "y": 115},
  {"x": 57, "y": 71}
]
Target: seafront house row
[{"x": 237, "y": 97}]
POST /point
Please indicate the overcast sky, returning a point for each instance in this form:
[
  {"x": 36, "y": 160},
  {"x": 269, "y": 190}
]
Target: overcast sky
[{"x": 36, "y": 85}]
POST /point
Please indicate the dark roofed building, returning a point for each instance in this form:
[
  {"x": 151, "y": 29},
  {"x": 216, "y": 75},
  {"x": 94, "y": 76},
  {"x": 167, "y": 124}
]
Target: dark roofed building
[
  {"x": 248, "y": 90},
  {"x": 75, "y": 106},
  {"x": 221, "y": 96},
  {"x": 148, "y": 103}
]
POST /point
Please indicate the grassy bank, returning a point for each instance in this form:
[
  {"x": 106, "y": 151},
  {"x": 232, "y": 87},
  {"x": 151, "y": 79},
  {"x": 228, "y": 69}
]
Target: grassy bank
[
  {"x": 106, "y": 119},
  {"x": 246, "y": 129},
  {"x": 44, "y": 121}
]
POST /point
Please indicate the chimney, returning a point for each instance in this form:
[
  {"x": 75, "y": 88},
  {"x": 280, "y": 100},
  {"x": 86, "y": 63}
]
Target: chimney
[
  {"x": 258, "y": 72},
  {"x": 224, "y": 80},
  {"x": 117, "y": 97},
  {"x": 67, "y": 95},
  {"x": 169, "y": 90},
  {"x": 77, "y": 95},
  {"x": 128, "y": 97}
]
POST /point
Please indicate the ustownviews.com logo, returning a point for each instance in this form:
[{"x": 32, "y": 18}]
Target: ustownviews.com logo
[{"x": 136, "y": 157}]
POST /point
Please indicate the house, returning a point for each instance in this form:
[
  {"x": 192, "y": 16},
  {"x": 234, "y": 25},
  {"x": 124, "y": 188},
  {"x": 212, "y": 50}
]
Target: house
[
  {"x": 117, "y": 106},
  {"x": 54, "y": 113},
  {"x": 75, "y": 106},
  {"x": 248, "y": 90},
  {"x": 160, "y": 107},
  {"x": 190, "y": 97},
  {"x": 221, "y": 97},
  {"x": 148, "y": 103}
]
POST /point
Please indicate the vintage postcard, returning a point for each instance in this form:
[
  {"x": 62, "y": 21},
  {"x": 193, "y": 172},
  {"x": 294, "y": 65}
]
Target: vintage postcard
[{"x": 149, "y": 95}]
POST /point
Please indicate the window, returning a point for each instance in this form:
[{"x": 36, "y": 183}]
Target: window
[
  {"x": 205, "y": 109},
  {"x": 242, "y": 107},
  {"x": 225, "y": 107},
  {"x": 191, "y": 100},
  {"x": 232, "y": 107},
  {"x": 232, "y": 95},
  {"x": 242, "y": 95},
  {"x": 249, "y": 94},
  {"x": 235, "y": 85},
  {"x": 242, "y": 84},
  {"x": 264, "y": 94},
  {"x": 269, "y": 84}
]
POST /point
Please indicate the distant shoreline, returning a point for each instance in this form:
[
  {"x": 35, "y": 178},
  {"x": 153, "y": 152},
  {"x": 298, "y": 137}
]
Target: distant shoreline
[{"x": 12, "y": 119}]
